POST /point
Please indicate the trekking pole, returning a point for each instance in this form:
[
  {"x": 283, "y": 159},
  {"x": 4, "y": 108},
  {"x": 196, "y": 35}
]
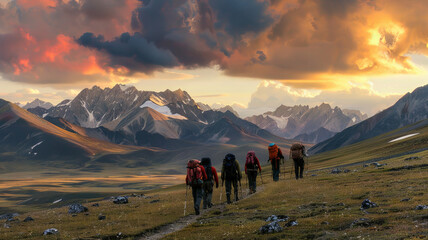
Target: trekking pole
[
  {"x": 185, "y": 202},
  {"x": 261, "y": 178},
  {"x": 221, "y": 191},
  {"x": 240, "y": 186}
]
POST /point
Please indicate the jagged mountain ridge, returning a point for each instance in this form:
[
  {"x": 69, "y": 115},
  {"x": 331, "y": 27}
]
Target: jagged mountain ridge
[
  {"x": 409, "y": 109},
  {"x": 290, "y": 122},
  {"x": 38, "y": 103}
]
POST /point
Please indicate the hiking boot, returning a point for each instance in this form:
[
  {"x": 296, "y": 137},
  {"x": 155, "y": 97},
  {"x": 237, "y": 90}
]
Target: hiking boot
[
  {"x": 228, "y": 199},
  {"x": 210, "y": 205},
  {"x": 236, "y": 199}
]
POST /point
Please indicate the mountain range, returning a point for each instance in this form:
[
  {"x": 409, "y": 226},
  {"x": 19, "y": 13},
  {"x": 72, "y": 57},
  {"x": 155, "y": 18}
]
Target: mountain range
[
  {"x": 410, "y": 109},
  {"x": 305, "y": 123}
]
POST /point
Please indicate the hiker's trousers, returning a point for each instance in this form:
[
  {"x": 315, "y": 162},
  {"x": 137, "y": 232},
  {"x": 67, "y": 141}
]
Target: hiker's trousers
[
  {"x": 208, "y": 194},
  {"x": 299, "y": 165},
  {"x": 252, "y": 179},
  {"x": 229, "y": 184},
  {"x": 197, "y": 197},
  {"x": 275, "y": 172}
]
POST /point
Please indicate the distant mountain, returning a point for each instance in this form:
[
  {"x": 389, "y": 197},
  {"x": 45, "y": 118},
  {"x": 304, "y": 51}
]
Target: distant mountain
[
  {"x": 302, "y": 121},
  {"x": 411, "y": 108},
  {"x": 228, "y": 108},
  {"x": 204, "y": 107},
  {"x": 315, "y": 137},
  {"x": 29, "y": 136},
  {"x": 39, "y": 111},
  {"x": 38, "y": 103}
]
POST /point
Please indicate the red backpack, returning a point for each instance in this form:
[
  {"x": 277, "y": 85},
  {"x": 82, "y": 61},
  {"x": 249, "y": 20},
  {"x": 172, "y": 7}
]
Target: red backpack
[
  {"x": 194, "y": 173},
  {"x": 251, "y": 160}
]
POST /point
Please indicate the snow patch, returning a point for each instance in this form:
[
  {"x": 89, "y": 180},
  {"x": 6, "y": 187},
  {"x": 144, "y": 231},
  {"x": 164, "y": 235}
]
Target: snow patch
[
  {"x": 354, "y": 119},
  {"x": 403, "y": 137},
  {"x": 136, "y": 97},
  {"x": 124, "y": 87},
  {"x": 281, "y": 122},
  {"x": 44, "y": 115},
  {"x": 37, "y": 144},
  {"x": 162, "y": 109},
  {"x": 57, "y": 201},
  {"x": 91, "y": 122}
]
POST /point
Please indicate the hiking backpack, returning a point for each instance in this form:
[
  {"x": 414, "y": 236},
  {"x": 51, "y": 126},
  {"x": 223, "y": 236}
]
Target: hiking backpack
[
  {"x": 250, "y": 162},
  {"x": 206, "y": 163},
  {"x": 296, "y": 151},
  {"x": 194, "y": 173},
  {"x": 230, "y": 167},
  {"x": 273, "y": 152}
]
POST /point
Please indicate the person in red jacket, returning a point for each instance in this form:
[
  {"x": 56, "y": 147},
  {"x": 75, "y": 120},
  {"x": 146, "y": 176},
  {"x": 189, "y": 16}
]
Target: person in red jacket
[
  {"x": 195, "y": 178},
  {"x": 209, "y": 183},
  {"x": 252, "y": 165}
]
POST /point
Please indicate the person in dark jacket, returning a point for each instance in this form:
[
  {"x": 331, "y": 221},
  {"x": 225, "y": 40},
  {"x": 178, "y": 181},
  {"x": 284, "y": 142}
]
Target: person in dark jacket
[
  {"x": 196, "y": 175},
  {"x": 252, "y": 165},
  {"x": 297, "y": 152},
  {"x": 209, "y": 183},
  {"x": 276, "y": 158},
  {"x": 231, "y": 172}
]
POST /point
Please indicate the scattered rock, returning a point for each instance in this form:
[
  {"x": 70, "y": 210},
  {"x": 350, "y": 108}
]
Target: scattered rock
[
  {"x": 12, "y": 220},
  {"x": 365, "y": 165},
  {"x": 325, "y": 223},
  {"x": 120, "y": 200},
  {"x": 279, "y": 218},
  {"x": 378, "y": 164},
  {"x": 28, "y": 219},
  {"x": 154, "y": 201},
  {"x": 411, "y": 158},
  {"x": 421, "y": 207},
  {"x": 363, "y": 222},
  {"x": 6, "y": 225},
  {"x": 270, "y": 228},
  {"x": 50, "y": 231},
  {"x": 341, "y": 204},
  {"x": 346, "y": 170},
  {"x": 95, "y": 205},
  {"x": 8, "y": 215},
  {"x": 291, "y": 223},
  {"x": 366, "y": 204},
  {"x": 101, "y": 217},
  {"x": 77, "y": 208},
  {"x": 405, "y": 199},
  {"x": 336, "y": 171}
]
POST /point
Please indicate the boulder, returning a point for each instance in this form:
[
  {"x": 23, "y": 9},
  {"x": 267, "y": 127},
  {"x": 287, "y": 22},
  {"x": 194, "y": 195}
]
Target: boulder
[
  {"x": 336, "y": 171},
  {"x": 120, "y": 200},
  {"x": 8, "y": 215},
  {"x": 50, "y": 231},
  {"x": 421, "y": 207},
  {"x": 366, "y": 204},
  {"x": 279, "y": 218},
  {"x": 77, "y": 208},
  {"x": 101, "y": 217},
  {"x": 28, "y": 219},
  {"x": 291, "y": 223},
  {"x": 272, "y": 227}
]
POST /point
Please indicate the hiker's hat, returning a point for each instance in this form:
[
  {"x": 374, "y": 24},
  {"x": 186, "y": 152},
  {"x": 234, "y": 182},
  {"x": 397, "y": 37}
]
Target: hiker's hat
[{"x": 271, "y": 145}]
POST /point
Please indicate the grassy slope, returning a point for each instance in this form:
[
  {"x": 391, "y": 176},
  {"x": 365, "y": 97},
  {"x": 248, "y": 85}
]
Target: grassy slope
[{"x": 310, "y": 201}]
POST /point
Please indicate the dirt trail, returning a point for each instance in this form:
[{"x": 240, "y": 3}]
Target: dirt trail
[{"x": 189, "y": 219}]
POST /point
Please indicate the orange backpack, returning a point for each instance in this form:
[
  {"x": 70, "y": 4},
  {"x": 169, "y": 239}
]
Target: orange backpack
[
  {"x": 273, "y": 152},
  {"x": 194, "y": 173}
]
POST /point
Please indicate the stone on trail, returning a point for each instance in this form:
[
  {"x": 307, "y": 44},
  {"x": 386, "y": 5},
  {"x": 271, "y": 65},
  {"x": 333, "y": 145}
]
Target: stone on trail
[
  {"x": 8, "y": 215},
  {"x": 336, "y": 171},
  {"x": 279, "y": 218},
  {"x": 120, "y": 200},
  {"x": 421, "y": 207},
  {"x": 28, "y": 219},
  {"x": 77, "y": 208},
  {"x": 291, "y": 223},
  {"x": 411, "y": 158},
  {"x": 366, "y": 204},
  {"x": 346, "y": 170},
  {"x": 270, "y": 228},
  {"x": 405, "y": 199},
  {"x": 154, "y": 201},
  {"x": 50, "y": 231}
]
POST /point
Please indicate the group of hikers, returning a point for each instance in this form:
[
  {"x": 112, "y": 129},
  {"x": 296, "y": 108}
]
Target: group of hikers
[{"x": 201, "y": 175}]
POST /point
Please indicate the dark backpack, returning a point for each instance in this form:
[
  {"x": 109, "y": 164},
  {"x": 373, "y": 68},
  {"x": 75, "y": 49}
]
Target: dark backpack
[
  {"x": 206, "y": 163},
  {"x": 230, "y": 167}
]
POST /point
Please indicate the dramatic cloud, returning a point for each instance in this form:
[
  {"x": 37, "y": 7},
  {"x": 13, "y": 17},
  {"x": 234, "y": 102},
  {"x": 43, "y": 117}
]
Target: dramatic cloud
[{"x": 314, "y": 44}]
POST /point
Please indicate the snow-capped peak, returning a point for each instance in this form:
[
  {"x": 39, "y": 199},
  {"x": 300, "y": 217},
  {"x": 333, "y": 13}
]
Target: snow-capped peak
[{"x": 162, "y": 109}]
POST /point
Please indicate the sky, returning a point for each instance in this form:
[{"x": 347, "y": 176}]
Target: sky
[{"x": 252, "y": 54}]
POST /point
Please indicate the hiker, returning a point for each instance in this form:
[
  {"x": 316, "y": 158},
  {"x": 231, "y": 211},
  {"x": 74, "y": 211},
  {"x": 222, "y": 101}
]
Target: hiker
[
  {"x": 297, "y": 152},
  {"x": 195, "y": 178},
  {"x": 252, "y": 164},
  {"x": 231, "y": 172},
  {"x": 209, "y": 183},
  {"x": 275, "y": 158}
]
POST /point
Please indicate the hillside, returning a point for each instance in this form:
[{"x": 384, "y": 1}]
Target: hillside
[
  {"x": 325, "y": 205},
  {"x": 409, "y": 109}
]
